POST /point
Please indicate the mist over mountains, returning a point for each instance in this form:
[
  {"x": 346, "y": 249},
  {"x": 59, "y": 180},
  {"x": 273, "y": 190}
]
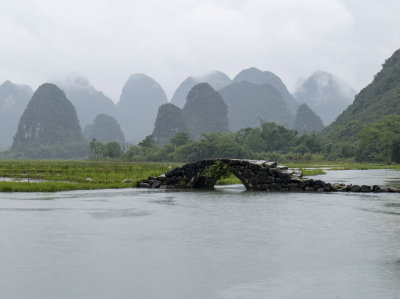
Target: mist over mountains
[
  {"x": 215, "y": 79},
  {"x": 325, "y": 94},
  {"x": 138, "y": 105},
  {"x": 249, "y": 104},
  {"x": 205, "y": 111},
  {"x": 256, "y": 76},
  {"x": 13, "y": 101},
  {"x": 209, "y": 103},
  {"x": 105, "y": 128},
  {"x": 49, "y": 127},
  {"x": 88, "y": 101}
]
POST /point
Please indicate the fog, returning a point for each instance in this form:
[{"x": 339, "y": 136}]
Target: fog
[{"x": 106, "y": 41}]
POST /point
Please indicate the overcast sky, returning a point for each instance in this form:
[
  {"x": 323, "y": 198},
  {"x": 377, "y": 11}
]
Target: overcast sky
[{"x": 106, "y": 41}]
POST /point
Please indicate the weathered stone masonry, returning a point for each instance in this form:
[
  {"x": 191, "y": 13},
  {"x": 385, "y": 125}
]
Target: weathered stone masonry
[{"x": 254, "y": 174}]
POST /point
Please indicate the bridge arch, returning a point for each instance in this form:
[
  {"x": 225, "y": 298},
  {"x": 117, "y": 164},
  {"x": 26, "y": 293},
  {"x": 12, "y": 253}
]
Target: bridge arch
[{"x": 254, "y": 175}]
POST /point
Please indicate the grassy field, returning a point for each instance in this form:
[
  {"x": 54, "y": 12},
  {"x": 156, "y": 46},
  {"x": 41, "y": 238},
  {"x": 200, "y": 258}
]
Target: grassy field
[
  {"x": 86, "y": 175},
  {"x": 76, "y": 175}
]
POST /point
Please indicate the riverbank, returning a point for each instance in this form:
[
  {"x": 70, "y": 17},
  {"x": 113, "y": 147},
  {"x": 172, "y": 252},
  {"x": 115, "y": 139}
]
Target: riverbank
[
  {"x": 86, "y": 175},
  {"x": 75, "y": 175}
]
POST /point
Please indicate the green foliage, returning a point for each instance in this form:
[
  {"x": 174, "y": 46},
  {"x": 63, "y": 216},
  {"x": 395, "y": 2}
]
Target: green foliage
[
  {"x": 251, "y": 139},
  {"x": 73, "y": 175},
  {"x": 380, "y": 141},
  {"x": 96, "y": 149},
  {"x": 179, "y": 139},
  {"x": 113, "y": 150},
  {"x": 99, "y": 150},
  {"x": 215, "y": 172},
  {"x": 276, "y": 137},
  {"x": 214, "y": 145},
  {"x": 148, "y": 142},
  {"x": 378, "y": 99}
]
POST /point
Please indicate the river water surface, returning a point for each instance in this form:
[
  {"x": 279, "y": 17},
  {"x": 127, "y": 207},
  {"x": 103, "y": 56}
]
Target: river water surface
[{"x": 227, "y": 243}]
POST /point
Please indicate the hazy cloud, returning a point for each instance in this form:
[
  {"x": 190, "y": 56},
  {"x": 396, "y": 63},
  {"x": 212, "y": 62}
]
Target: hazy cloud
[{"x": 106, "y": 40}]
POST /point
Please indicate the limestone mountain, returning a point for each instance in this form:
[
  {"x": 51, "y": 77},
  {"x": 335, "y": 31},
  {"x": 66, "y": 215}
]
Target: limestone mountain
[
  {"x": 88, "y": 101},
  {"x": 216, "y": 79},
  {"x": 49, "y": 127},
  {"x": 256, "y": 76},
  {"x": 306, "y": 121},
  {"x": 169, "y": 122},
  {"x": 375, "y": 101},
  {"x": 104, "y": 129},
  {"x": 248, "y": 104},
  {"x": 325, "y": 94},
  {"x": 13, "y": 101},
  {"x": 138, "y": 106},
  {"x": 205, "y": 111}
]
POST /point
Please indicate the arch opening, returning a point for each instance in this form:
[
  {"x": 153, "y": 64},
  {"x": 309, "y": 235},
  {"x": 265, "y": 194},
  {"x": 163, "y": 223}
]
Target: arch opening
[{"x": 219, "y": 171}]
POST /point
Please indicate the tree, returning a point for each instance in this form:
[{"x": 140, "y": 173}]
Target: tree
[
  {"x": 379, "y": 142},
  {"x": 96, "y": 149},
  {"x": 180, "y": 139},
  {"x": 276, "y": 137},
  {"x": 113, "y": 150},
  {"x": 148, "y": 142}
]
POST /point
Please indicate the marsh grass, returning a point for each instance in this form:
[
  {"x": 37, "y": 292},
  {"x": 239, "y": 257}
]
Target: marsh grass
[
  {"x": 86, "y": 175},
  {"x": 311, "y": 172},
  {"x": 76, "y": 175}
]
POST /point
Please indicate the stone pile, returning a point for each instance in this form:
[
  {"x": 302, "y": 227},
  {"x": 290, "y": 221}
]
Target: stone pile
[{"x": 254, "y": 174}]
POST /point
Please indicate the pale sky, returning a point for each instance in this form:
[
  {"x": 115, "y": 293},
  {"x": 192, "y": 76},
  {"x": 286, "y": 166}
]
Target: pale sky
[{"x": 106, "y": 41}]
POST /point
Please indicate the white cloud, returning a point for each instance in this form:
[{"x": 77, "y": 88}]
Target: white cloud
[{"x": 108, "y": 40}]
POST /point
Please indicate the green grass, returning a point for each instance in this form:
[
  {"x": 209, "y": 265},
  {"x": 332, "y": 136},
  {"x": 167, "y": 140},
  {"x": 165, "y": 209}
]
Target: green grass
[
  {"x": 311, "y": 172},
  {"x": 231, "y": 180},
  {"x": 74, "y": 175},
  {"x": 54, "y": 186}
]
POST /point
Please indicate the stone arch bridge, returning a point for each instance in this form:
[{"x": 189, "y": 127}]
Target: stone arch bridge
[{"x": 254, "y": 174}]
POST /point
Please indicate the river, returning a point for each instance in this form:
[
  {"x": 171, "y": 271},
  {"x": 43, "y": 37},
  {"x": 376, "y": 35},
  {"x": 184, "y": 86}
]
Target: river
[{"x": 227, "y": 243}]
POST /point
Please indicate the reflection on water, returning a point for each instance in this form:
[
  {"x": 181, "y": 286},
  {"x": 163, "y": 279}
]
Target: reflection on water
[{"x": 226, "y": 243}]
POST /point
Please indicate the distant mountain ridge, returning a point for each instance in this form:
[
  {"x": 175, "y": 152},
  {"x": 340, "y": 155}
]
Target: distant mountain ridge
[
  {"x": 307, "y": 121},
  {"x": 325, "y": 94},
  {"x": 249, "y": 103},
  {"x": 216, "y": 79},
  {"x": 49, "y": 127},
  {"x": 105, "y": 128},
  {"x": 256, "y": 76},
  {"x": 13, "y": 101},
  {"x": 205, "y": 111},
  {"x": 138, "y": 106},
  {"x": 169, "y": 122},
  {"x": 88, "y": 101}
]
